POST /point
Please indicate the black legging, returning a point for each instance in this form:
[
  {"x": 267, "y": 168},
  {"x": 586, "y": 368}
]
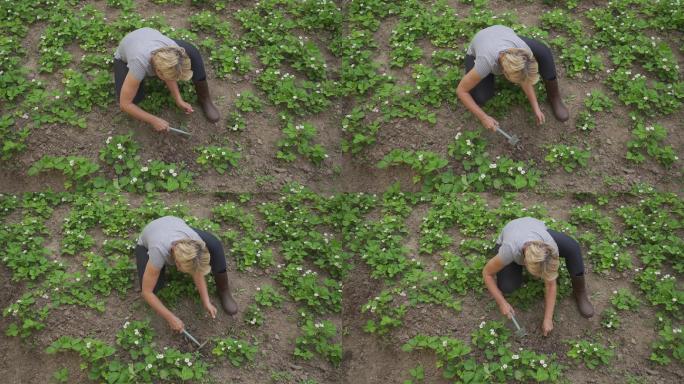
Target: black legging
[
  {"x": 217, "y": 259},
  {"x": 196, "y": 64},
  {"x": 484, "y": 90},
  {"x": 510, "y": 277}
]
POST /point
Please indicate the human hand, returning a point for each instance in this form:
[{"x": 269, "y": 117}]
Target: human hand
[
  {"x": 211, "y": 309},
  {"x": 547, "y": 327},
  {"x": 489, "y": 123},
  {"x": 160, "y": 125},
  {"x": 187, "y": 108},
  {"x": 176, "y": 324},
  {"x": 506, "y": 309},
  {"x": 541, "y": 119}
]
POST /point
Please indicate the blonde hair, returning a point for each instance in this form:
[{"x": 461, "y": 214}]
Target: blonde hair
[
  {"x": 519, "y": 66},
  {"x": 191, "y": 256},
  {"x": 172, "y": 63},
  {"x": 541, "y": 260}
]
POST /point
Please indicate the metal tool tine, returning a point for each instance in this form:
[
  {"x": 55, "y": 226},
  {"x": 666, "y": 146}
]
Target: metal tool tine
[
  {"x": 189, "y": 336},
  {"x": 512, "y": 139},
  {"x": 520, "y": 331},
  {"x": 180, "y": 131}
]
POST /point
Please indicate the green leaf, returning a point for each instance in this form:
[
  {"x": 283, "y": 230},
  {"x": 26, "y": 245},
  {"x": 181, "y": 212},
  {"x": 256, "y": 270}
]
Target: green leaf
[{"x": 186, "y": 373}]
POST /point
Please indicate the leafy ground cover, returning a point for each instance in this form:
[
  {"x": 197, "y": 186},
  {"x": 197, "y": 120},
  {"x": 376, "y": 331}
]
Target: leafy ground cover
[{"x": 356, "y": 199}]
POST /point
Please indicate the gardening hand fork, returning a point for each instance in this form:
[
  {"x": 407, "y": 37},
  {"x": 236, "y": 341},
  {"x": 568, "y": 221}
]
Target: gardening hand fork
[
  {"x": 520, "y": 332},
  {"x": 191, "y": 338},
  {"x": 512, "y": 139},
  {"x": 179, "y": 131}
]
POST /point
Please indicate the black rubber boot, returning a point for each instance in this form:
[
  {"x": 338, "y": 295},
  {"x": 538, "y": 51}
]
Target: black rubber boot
[
  {"x": 559, "y": 109},
  {"x": 223, "y": 291},
  {"x": 210, "y": 111},
  {"x": 579, "y": 290}
]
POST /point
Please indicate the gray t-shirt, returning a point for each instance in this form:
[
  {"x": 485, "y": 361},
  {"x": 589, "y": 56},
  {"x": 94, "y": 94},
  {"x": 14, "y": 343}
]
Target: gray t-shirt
[
  {"x": 516, "y": 233},
  {"x": 136, "y": 50},
  {"x": 488, "y": 43},
  {"x": 158, "y": 235}
]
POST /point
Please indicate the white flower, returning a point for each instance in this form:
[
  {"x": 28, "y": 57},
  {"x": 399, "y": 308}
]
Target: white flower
[
  {"x": 515, "y": 357},
  {"x": 149, "y": 366},
  {"x": 482, "y": 324},
  {"x": 504, "y": 366},
  {"x": 160, "y": 356}
]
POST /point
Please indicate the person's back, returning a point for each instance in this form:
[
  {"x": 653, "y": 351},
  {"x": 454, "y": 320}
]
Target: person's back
[{"x": 136, "y": 50}]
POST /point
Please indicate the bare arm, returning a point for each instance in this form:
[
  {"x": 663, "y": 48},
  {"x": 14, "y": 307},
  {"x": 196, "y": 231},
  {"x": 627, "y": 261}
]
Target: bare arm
[
  {"x": 128, "y": 91},
  {"x": 550, "y": 288},
  {"x": 532, "y": 97},
  {"x": 201, "y": 286},
  {"x": 149, "y": 280},
  {"x": 467, "y": 83},
  {"x": 493, "y": 266},
  {"x": 172, "y": 85}
]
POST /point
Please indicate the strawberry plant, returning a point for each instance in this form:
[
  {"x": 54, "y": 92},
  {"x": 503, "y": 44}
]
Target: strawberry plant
[
  {"x": 218, "y": 158},
  {"x": 423, "y": 162},
  {"x": 585, "y": 121},
  {"x": 650, "y": 98},
  {"x": 121, "y": 153},
  {"x": 623, "y": 300},
  {"x": 501, "y": 363},
  {"x": 417, "y": 374},
  {"x": 389, "y": 314},
  {"x": 13, "y": 137},
  {"x": 148, "y": 365},
  {"x": 300, "y": 98},
  {"x": 254, "y": 316},
  {"x": 597, "y": 101},
  {"x": 661, "y": 290},
  {"x": 589, "y": 353},
  {"x": 649, "y": 139},
  {"x": 610, "y": 319},
  {"x": 304, "y": 286},
  {"x": 578, "y": 57},
  {"x": 317, "y": 337},
  {"x": 267, "y": 296},
  {"x": 567, "y": 156},
  {"x": 77, "y": 169},
  {"x": 248, "y": 102},
  {"x": 298, "y": 139},
  {"x": 481, "y": 171},
  {"x": 236, "y": 122},
  {"x": 670, "y": 343},
  {"x": 362, "y": 133},
  {"x": 238, "y": 352}
]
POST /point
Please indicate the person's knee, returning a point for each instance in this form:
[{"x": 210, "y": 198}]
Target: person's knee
[
  {"x": 480, "y": 98},
  {"x": 508, "y": 286}
]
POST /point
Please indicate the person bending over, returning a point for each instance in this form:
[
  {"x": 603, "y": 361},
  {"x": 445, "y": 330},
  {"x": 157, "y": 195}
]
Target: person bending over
[
  {"x": 498, "y": 50},
  {"x": 147, "y": 52},
  {"x": 169, "y": 241},
  {"x": 528, "y": 242}
]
